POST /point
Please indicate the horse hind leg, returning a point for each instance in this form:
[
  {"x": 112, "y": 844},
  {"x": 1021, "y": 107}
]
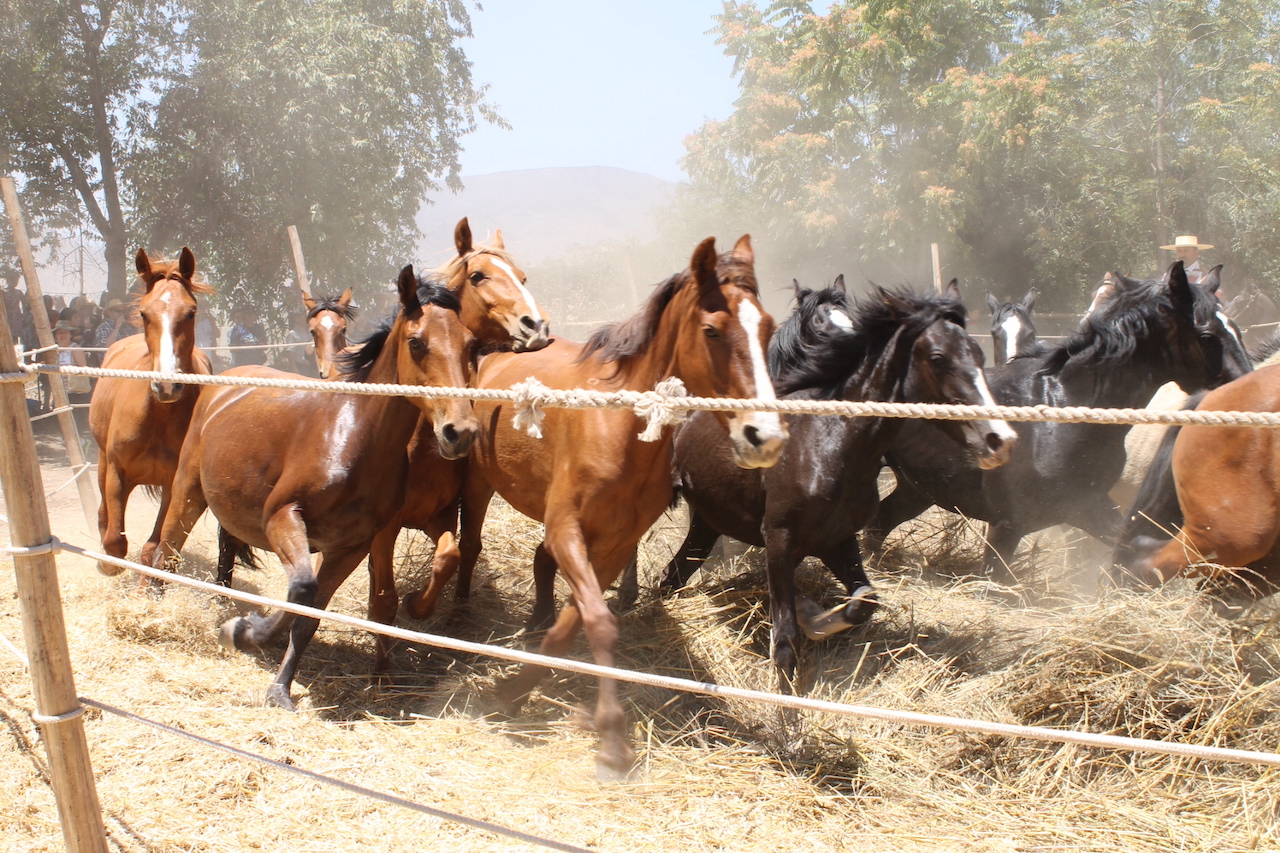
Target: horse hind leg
[
  {"x": 544, "y": 590},
  {"x": 904, "y": 503},
  {"x": 476, "y": 495},
  {"x": 845, "y": 563}
]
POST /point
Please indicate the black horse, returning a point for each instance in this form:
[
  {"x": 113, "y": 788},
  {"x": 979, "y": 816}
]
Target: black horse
[
  {"x": 1148, "y": 333},
  {"x": 1013, "y": 333},
  {"x": 897, "y": 347}
]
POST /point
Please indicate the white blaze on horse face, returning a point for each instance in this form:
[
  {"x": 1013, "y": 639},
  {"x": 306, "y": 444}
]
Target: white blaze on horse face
[
  {"x": 1226, "y": 324},
  {"x": 1012, "y": 325},
  {"x": 524, "y": 291},
  {"x": 327, "y": 321},
  {"x": 343, "y": 428},
  {"x": 168, "y": 356},
  {"x": 749, "y": 316},
  {"x": 841, "y": 319},
  {"x": 999, "y": 427}
]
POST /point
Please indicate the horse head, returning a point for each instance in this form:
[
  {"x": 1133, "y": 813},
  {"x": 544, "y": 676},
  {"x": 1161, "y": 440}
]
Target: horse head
[
  {"x": 433, "y": 347},
  {"x": 721, "y": 341},
  {"x": 814, "y": 345},
  {"x": 945, "y": 366},
  {"x": 1012, "y": 331},
  {"x": 327, "y": 319},
  {"x": 168, "y": 310},
  {"x": 496, "y": 305}
]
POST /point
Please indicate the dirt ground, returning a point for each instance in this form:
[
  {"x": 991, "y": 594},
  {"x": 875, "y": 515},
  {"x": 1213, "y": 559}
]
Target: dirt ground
[{"x": 713, "y": 775}]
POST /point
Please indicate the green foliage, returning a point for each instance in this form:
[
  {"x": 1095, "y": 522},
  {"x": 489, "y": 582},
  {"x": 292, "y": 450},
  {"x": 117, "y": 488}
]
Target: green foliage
[{"x": 1040, "y": 144}]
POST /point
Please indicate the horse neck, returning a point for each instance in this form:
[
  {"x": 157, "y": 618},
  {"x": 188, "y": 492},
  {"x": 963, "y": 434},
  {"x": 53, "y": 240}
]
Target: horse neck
[
  {"x": 881, "y": 378},
  {"x": 392, "y": 419},
  {"x": 660, "y": 358},
  {"x": 1089, "y": 385}
]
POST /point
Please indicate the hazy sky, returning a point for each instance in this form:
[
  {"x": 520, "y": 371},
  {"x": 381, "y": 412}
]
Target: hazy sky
[{"x": 601, "y": 83}]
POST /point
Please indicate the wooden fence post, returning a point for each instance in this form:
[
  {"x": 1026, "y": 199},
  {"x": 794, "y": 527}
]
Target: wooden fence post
[
  {"x": 299, "y": 268},
  {"x": 35, "y": 302},
  {"x": 58, "y": 710},
  {"x": 937, "y": 267}
]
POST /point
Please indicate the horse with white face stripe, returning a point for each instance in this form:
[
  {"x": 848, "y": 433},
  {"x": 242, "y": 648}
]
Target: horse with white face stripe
[
  {"x": 1012, "y": 331},
  {"x": 139, "y": 427}
]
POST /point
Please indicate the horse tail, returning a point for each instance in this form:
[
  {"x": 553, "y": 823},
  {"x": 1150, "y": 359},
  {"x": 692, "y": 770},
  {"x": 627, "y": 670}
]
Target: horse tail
[
  {"x": 1155, "y": 512},
  {"x": 156, "y": 493}
]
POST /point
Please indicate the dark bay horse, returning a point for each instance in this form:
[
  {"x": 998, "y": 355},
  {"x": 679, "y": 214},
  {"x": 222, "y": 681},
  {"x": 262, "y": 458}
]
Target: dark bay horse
[
  {"x": 1228, "y": 496},
  {"x": 1013, "y": 332},
  {"x": 295, "y": 471},
  {"x": 899, "y": 347},
  {"x": 327, "y": 320},
  {"x": 1146, "y": 334},
  {"x": 591, "y": 479},
  {"x": 139, "y": 427}
]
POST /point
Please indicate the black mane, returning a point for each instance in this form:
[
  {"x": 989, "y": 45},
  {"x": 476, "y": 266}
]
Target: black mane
[
  {"x": 825, "y": 371},
  {"x": 355, "y": 362},
  {"x": 332, "y": 303}
]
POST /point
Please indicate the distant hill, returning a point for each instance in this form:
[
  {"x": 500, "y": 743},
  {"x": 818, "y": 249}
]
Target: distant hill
[{"x": 545, "y": 213}]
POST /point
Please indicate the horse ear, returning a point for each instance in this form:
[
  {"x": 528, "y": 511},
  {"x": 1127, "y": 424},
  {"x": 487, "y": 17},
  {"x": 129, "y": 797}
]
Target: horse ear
[
  {"x": 952, "y": 290},
  {"x": 703, "y": 265},
  {"x": 186, "y": 264},
  {"x": 898, "y": 307},
  {"x": 795, "y": 287},
  {"x": 141, "y": 262},
  {"x": 1029, "y": 301},
  {"x": 839, "y": 284},
  {"x": 407, "y": 284},
  {"x": 309, "y": 302},
  {"x": 1179, "y": 287},
  {"x": 345, "y": 299},
  {"x": 742, "y": 250},
  {"x": 992, "y": 303},
  {"x": 1211, "y": 281},
  {"x": 497, "y": 240},
  {"x": 462, "y": 236}
]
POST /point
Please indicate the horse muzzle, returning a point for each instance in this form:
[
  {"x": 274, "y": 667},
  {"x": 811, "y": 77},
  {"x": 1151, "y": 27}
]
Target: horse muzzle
[
  {"x": 533, "y": 335},
  {"x": 455, "y": 438},
  {"x": 167, "y": 392},
  {"x": 757, "y": 438},
  {"x": 992, "y": 443}
]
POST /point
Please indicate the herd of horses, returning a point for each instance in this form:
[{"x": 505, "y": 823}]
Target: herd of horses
[{"x": 339, "y": 475}]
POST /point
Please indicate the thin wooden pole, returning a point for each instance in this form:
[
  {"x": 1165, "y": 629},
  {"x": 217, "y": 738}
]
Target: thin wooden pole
[
  {"x": 58, "y": 711},
  {"x": 937, "y": 267},
  {"x": 299, "y": 267},
  {"x": 35, "y": 299}
]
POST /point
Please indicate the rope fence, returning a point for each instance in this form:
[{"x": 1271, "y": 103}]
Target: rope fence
[
  {"x": 664, "y": 404},
  {"x": 798, "y": 703}
]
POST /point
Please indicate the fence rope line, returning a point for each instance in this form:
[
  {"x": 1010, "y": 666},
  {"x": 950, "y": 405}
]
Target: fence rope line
[
  {"x": 475, "y": 823},
  {"x": 799, "y": 703},
  {"x": 533, "y": 398},
  {"x": 350, "y": 787}
]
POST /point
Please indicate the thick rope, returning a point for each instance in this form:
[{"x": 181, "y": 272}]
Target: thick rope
[
  {"x": 799, "y": 703},
  {"x": 642, "y": 401}
]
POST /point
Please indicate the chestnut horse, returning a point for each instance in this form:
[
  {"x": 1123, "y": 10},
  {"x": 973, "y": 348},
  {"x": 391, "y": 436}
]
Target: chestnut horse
[
  {"x": 327, "y": 320},
  {"x": 594, "y": 483},
  {"x": 139, "y": 428},
  {"x": 1228, "y": 486},
  {"x": 296, "y": 472}
]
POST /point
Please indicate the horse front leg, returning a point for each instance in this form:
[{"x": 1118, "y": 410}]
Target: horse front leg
[
  {"x": 784, "y": 635},
  {"x": 904, "y": 503},
  {"x": 115, "y": 497},
  {"x": 1002, "y": 544},
  {"x": 694, "y": 551},
  {"x": 476, "y": 495},
  {"x": 845, "y": 562},
  {"x": 150, "y": 547},
  {"x": 383, "y": 601},
  {"x": 444, "y": 564},
  {"x": 544, "y": 590}
]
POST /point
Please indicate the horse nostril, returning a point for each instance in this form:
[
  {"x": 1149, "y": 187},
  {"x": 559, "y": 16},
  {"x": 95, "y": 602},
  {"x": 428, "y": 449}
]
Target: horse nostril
[
  {"x": 528, "y": 322},
  {"x": 450, "y": 433},
  {"x": 994, "y": 442},
  {"x": 752, "y": 435}
]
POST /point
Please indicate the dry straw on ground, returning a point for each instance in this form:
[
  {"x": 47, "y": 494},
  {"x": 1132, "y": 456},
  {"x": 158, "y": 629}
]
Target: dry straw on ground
[{"x": 714, "y": 775}]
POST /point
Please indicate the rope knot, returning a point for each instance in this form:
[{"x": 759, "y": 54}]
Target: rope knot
[
  {"x": 656, "y": 409},
  {"x": 530, "y": 396}
]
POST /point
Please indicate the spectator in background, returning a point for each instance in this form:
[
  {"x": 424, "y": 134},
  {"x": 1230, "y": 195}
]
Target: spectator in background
[
  {"x": 246, "y": 332},
  {"x": 113, "y": 326},
  {"x": 13, "y": 299},
  {"x": 1187, "y": 249},
  {"x": 79, "y": 388}
]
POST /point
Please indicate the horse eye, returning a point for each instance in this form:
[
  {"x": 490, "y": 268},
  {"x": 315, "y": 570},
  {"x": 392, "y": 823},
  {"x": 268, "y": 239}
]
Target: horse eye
[
  {"x": 416, "y": 346},
  {"x": 710, "y": 331},
  {"x": 477, "y": 277}
]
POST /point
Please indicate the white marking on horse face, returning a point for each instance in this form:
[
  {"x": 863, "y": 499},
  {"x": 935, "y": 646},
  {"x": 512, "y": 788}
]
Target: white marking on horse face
[
  {"x": 165, "y": 297},
  {"x": 999, "y": 427},
  {"x": 770, "y": 430},
  {"x": 1226, "y": 324},
  {"x": 841, "y": 319},
  {"x": 168, "y": 357},
  {"x": 327, "y": 321},
  {"x": 749, "y": 316},
  {"x": 344, "y": 425},
  {"x": 524, "y": 291},
  {"x": 1012, "y": 325}
]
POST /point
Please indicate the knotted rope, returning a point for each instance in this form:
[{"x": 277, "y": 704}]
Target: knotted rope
[{"x": 656, "y": 408}]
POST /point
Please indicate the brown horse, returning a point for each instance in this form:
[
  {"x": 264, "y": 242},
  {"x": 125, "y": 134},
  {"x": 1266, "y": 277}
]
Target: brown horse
[
  {"x": 139, "y": 428},
  {"x": 296, "y": 472},
  {"x": 591, "y": 479},
  {"x": 1228, "y": 483},
  {"x": 327, "y": 320}
]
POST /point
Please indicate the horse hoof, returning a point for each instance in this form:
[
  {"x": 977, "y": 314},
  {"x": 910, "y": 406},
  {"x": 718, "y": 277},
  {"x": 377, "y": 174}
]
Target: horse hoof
[
  {"x": 414, "y": 608},
  {"x": 861, "y": 607},
  {"x": 818, "y": 624},
  {"x": 109, "y": 569},
  {"x": 608, "y": 773},
  {"x": 278, "y": 697},
  {"x": 234, "y": 635}
]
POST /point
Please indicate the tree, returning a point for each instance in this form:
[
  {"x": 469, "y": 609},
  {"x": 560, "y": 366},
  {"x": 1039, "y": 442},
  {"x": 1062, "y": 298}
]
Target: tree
[
  {"x": 73, "y": 74},
  {"x": 1041, "y": 144},
  {"x": 338, "y": 117}
]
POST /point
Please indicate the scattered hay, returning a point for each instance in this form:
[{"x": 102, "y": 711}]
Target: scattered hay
[{"x": 714, "y": 774}]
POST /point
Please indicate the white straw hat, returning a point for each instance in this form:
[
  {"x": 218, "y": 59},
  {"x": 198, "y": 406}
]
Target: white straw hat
[{"x": 1188, "y": 241}]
